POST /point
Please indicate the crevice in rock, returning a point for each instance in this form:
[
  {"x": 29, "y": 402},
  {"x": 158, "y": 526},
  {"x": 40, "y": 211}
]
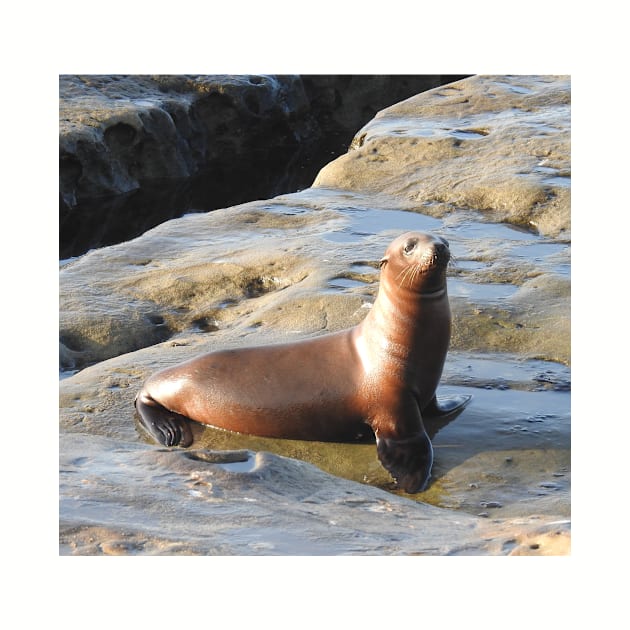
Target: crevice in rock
[{"x": 221, "y": 145}]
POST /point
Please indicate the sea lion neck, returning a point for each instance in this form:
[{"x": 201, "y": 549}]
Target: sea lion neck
[{"x": 393, "y": 335}]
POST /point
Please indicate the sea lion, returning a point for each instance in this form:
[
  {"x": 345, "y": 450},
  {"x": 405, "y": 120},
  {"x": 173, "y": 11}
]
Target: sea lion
[{"x": 376, "y": 379}]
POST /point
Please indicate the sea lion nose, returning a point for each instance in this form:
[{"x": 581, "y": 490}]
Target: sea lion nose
[{"x": 441, "y": 249}]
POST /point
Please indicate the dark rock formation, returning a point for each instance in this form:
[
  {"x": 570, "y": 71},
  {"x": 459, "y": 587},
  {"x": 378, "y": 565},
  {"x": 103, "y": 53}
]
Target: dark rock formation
[{"x": 135, "y": 151}]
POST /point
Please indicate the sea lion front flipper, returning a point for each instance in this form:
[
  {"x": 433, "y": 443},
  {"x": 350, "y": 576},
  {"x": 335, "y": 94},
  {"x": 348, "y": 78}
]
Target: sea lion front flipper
[
  {"x": 167, "y": 427},
  {"x": 447, "y": 408},
  {"x": 408, "y": 460}
]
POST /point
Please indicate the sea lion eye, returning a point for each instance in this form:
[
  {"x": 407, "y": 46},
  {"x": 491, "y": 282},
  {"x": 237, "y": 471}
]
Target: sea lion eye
[{"x": 409, "y": 247}]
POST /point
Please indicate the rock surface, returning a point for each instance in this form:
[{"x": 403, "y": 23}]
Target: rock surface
[
  {"x": 137, "y": 150},
  {"x": 299, "y": 265},
  {"x": 500, "y": 145},
  {"x": 296, "y": 509}
]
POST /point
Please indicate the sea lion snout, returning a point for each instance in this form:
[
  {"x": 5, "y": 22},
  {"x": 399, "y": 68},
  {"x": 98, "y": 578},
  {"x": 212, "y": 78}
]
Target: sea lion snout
[
  {"x": 441, "y": 248},
  {"x": 441, "y": 254}
]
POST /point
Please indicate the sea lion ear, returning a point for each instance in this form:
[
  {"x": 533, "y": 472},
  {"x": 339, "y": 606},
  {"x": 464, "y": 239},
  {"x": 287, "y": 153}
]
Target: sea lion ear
[{"x": 382, "y": 262}]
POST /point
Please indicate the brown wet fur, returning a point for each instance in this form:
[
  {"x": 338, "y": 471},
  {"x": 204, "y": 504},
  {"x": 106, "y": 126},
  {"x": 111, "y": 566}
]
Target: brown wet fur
[{"x": 374, "y": 379}]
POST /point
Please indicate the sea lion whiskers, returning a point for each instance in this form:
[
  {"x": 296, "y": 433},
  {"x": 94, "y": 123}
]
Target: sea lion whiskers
[
  {"x": 415, "y": 272},
  {"x": 410, "y": 273},
  {"x": 403, "y": 276}
]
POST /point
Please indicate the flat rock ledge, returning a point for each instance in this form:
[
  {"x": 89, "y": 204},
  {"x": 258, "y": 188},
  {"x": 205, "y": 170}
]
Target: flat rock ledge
[{"x": 495, "y": 144}]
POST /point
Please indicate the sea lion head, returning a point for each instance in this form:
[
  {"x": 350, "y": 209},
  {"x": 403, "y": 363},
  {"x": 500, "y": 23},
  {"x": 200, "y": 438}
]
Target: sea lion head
[{"x": 417, "y": 261}]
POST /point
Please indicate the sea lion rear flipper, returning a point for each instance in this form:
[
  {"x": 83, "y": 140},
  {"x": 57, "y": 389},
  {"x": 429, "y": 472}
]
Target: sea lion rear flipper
[
  {"x": 167, "y": 427},
  {"x": 408, "y": 460},
  {"x": 447, "y": 408}
]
